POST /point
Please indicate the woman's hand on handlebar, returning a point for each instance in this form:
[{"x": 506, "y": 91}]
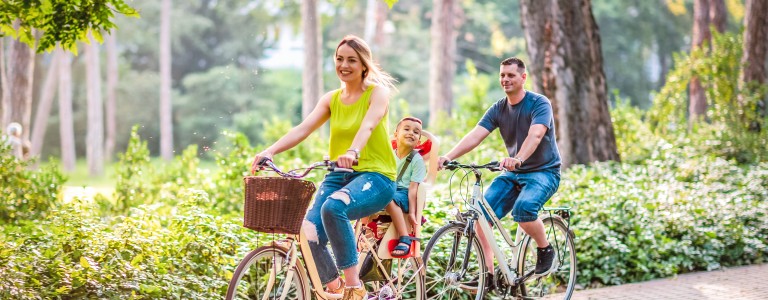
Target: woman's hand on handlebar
[
  {"x": 346, "y": 160},
  {"x": 259, "y": 159}
]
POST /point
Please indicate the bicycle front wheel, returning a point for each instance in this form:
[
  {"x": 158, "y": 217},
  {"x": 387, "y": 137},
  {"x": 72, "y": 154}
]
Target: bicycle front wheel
[
  {"x": 263, "y": 275},
  {"x": 560, "y": 283},
  {"x": 454, "y": 265}
]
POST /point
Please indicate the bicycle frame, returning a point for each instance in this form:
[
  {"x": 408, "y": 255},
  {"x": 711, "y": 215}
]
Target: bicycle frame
[
  {"x": 311, "y": 267},
  {"x": 476, "y": 206}
]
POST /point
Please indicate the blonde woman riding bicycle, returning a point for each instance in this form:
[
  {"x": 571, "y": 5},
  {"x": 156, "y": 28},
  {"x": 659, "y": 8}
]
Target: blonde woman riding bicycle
[{"x": 358, "y": 117}]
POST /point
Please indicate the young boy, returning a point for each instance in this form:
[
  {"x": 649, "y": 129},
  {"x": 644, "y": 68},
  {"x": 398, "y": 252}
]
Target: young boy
[{"x": 407, "y": 136}]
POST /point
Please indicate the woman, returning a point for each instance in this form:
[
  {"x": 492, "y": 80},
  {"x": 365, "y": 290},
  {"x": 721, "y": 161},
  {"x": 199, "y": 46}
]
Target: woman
[{"x": 358, "y": 120}]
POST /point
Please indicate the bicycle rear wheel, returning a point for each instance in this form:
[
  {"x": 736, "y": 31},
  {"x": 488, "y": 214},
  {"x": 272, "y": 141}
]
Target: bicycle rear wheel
[
  {"x": 447, "y": 252},
  {"x": 560, "y": 283},
  {"x": 406, "y": 280},
  {"x": 262, "y": 274}
]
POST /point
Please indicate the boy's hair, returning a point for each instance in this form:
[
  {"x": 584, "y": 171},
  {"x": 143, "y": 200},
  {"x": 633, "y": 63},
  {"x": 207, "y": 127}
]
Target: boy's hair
[{"x": 414, "y": 119}]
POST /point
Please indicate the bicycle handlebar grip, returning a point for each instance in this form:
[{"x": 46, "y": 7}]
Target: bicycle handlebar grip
[
  {"x": 334, "y": 167},
  {"x": 263, "y": 161},
  {"x": 337, "y": 169}
]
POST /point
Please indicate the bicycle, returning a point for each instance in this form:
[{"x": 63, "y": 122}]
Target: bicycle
[
  {"x": 285, "y": 268},
  {"x": 455, "y": 261}
]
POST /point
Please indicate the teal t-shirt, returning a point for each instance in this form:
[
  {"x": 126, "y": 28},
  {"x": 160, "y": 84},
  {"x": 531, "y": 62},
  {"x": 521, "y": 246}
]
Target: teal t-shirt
[{"x": 416, "y": 172}]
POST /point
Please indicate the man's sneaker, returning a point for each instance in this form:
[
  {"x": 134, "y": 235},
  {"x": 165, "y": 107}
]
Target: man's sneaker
[
  {"x": 544, "y": 260},
  {"x": 490, "y": 283}
]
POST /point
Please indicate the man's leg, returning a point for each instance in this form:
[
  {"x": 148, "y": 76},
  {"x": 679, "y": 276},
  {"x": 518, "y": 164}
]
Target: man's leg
[
  {"x": 500, "y": 197},
  {"x": 536, "y": 230},
  {"x": 536, "y": 189}
]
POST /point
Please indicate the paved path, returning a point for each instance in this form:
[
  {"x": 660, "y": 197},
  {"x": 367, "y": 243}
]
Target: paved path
[{"x": 749, "y": 282}]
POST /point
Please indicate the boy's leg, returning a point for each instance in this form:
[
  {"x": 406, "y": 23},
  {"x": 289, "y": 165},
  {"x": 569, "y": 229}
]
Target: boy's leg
[
  {"x": 398, "y": 218},
  {"x": 364, "y": 195}
]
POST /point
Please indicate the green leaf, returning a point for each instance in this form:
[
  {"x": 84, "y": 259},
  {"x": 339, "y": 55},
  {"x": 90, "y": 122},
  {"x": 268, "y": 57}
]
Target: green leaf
[
  {"x": 97, "y": 36},
  {"x": 390, "y": 3},
  {"x": 136, "y": 260},
  {"x": 84, "y": 262}
]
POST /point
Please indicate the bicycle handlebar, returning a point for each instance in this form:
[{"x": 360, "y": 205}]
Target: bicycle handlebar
[
  {"x": 298, "y": 173},
  {"x": 453, "y": 165}
]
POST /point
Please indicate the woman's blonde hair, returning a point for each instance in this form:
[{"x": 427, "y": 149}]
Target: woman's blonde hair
[{"x": 374, "y": 74}]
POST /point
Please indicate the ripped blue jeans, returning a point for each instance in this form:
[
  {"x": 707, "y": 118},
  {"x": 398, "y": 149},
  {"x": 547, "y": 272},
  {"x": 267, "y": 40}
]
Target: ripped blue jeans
[{"x": 343, "y": 197}]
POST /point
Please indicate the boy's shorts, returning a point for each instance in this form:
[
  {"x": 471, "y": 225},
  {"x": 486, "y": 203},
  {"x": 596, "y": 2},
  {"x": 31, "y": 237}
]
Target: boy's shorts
[{"x": 401, "y": 198}]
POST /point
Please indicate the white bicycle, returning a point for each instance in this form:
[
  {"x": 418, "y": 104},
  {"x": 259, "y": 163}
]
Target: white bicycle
[
  {"x": 455, "y": 261},
  {"x": 285, "y": 269}
]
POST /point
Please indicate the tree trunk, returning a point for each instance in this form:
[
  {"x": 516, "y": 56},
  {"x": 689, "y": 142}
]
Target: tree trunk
[
  {"x": 111, "y": 90},
  {"x": 5, "y": 94},
  {"x": 375, "y": 20},
  {"x": 697, "y": 108},
  {"x": 312, "y": 77},
  {"x": 166, "y": 113},
  {"x": 94, "y": 148},
  {"x": 563, "y": 43},
  {"x": 755, "y": 48},
  {"x": 44, "y": 105},
  {"x": 718, "y": 14},
  {"x": 441, "y": 59},
  {"x": 66, "y": 123},
  {"x": 20, "y": 72}
]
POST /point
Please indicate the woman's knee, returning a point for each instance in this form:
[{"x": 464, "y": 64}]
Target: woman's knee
[{"x": 336, "y": 203}]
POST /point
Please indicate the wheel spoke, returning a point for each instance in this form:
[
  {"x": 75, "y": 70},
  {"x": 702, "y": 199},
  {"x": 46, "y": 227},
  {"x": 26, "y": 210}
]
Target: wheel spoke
[
  {"x": 559, "y": 284},
  {"x": 444, "y": 258}
]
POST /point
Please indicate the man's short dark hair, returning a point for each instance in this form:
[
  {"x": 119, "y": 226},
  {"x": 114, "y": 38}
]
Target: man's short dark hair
[{"x": 514, "y": 61}]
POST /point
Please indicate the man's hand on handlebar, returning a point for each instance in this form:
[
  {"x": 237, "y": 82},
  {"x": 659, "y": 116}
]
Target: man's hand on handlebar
[
  {"x": 510, "y": 163},
  {"x": 441, "y": 161}
]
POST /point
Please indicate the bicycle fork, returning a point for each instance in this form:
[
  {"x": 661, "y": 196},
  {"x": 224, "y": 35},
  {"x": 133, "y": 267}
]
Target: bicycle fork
[{"x": 292, "y": 257}]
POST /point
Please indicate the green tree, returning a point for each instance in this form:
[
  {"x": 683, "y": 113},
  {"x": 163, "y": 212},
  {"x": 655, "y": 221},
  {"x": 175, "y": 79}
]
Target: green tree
[{"x": 60, "y": 21}]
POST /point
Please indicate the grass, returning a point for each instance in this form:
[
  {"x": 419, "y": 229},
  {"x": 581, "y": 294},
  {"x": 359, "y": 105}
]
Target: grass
[{"x": 80, "y": 177}]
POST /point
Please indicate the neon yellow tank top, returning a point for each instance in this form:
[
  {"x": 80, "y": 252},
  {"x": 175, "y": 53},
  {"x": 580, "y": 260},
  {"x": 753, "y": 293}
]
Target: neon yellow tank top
[{"x": 377, "y": 155}]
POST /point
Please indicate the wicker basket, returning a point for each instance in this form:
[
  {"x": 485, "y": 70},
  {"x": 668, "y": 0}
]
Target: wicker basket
[{"x": 276, "y": 204}]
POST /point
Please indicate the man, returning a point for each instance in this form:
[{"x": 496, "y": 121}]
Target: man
[{"x": 526, "y": 124}]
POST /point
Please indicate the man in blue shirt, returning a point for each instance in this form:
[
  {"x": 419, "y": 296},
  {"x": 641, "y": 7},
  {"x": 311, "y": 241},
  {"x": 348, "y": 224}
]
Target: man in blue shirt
[{"x": 526, "y": 123}]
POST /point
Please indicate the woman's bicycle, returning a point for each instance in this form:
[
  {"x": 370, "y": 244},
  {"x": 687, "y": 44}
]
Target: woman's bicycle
[
  {"x": 285, "y": 269},
  {"x": 455, "y": 261}
]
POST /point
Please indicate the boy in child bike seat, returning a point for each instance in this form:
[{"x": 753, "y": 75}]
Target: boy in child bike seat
[
  {"x": 358, "y": 118},
  {"x": 411, "y": 171},
  {"x": 526, "y": 124}
]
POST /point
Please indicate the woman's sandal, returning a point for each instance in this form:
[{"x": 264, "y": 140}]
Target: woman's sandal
[
  {"x": 404, "y": 244},
  {"x": 339, "y": 290}
]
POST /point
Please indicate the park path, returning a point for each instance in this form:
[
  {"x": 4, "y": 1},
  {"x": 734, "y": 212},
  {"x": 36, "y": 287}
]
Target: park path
[
  {"x": 84, "y": 193},
  {"x": 737, "y": 283}
]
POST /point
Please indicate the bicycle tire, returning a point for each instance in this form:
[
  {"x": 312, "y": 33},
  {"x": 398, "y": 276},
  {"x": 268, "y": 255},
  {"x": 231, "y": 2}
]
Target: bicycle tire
[
  {"x": 412, "y": 285},
  {"x": 254, "y": 270},
  {"x": 441, "y": 281},
  {"x": 561, "y": 282}
]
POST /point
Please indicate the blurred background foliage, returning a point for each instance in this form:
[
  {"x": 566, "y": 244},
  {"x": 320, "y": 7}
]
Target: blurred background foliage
[{"x": 225, "y": 75}]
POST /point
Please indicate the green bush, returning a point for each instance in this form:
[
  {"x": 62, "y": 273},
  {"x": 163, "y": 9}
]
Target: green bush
[
  {"x": 150, "y": 254},
  {"x": 675, "y": 214},
  {"x": 26, "y": 193}
]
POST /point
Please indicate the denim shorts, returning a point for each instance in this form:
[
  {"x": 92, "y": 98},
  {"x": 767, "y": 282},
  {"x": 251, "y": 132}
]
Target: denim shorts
[
  {"x": 401, "y": 199},
  {"x": 524, "y": 194}
]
